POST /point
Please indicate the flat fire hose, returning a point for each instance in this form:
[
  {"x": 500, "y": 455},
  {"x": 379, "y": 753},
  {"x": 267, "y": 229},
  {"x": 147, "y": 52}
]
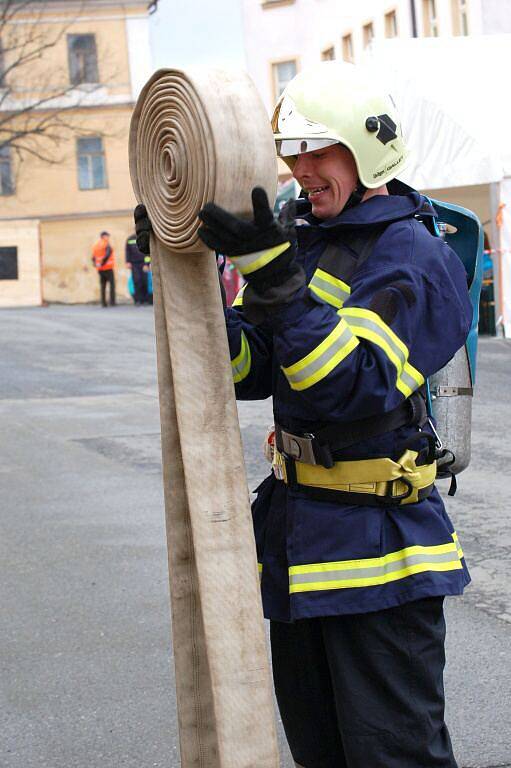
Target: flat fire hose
[{"x": 197, "y": 137}]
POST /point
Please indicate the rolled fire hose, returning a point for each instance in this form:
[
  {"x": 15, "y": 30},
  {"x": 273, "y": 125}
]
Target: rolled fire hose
[{"x": 197, "y": 137}]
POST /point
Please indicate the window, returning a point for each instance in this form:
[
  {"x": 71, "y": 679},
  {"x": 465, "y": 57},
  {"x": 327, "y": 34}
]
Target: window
[
  {"x": 459, "y": 17},
  {"x": 368, "y": 34},
  {"x": 283, "y": 72},
  {"x": 9, "y": 263},
  {"x": 83, "y": 59},
  {"x": 91, "y": 164},
  {"x": 275, "y": 3},
  {"x": 328, "y": 54},
  {"x": 391, "y": 24},
  {"x": 6, "y": 178},
  {"x": 430, "y": 18},
  {"x": 347, "y": 47}
]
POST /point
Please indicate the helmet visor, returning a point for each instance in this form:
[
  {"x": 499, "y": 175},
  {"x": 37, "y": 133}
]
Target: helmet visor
[{"x": 294, "y": 147}]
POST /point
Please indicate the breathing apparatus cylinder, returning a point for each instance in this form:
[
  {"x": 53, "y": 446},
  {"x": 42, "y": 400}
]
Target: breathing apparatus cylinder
[
  {"x": 451, "y": 399},
  {"x": 451, "y": 389}
]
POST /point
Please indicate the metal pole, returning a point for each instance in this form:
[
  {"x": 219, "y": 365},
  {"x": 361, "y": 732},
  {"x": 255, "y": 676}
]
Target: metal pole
[
  {"x": 496, "y": 245},
  {"x": 413, "y": 14}
]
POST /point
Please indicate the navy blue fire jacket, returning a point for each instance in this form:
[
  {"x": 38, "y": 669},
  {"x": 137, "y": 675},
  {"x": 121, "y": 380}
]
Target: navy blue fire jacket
[{"x": 339, "y": 352}]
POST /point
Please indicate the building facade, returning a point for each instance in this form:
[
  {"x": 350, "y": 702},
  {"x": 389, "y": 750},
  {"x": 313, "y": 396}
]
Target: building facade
[
  {"x": 57, "y": 194},
  {"x": 283, "y": 36}
]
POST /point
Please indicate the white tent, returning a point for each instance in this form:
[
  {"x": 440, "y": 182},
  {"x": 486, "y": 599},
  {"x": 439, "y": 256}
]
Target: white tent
[{"x": 456, "y": 114}]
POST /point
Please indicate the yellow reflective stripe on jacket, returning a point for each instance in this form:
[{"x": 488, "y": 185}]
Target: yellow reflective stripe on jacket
[
  {"x": 374, "y": 571},
  {"x": 253, "y": 261},
  {"x": 330, "y": 289},
  {"x": 238, "y": 301},
  {"x": 323, "y": 359},
  {"x": 458, "y": 545},
  {"x": 368, "y": 325},
  {"x": 242, "y": 362}
]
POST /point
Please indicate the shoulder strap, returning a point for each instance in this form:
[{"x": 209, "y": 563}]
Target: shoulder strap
[{"x": 342, "y": 259}]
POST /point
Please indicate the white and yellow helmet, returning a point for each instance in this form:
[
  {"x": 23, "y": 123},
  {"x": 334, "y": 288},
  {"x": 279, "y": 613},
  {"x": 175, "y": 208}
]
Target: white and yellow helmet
[{"x": 335, "y": 102}]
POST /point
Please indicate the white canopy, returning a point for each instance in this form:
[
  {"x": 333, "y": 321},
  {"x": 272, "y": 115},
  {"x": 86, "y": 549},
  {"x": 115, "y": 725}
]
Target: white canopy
[
  {"x": 456, "y": 114},
  {"x": 454, "y": 104}
]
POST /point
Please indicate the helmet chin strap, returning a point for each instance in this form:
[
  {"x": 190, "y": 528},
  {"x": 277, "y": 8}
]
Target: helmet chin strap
[{"x": 356, "y": 196}]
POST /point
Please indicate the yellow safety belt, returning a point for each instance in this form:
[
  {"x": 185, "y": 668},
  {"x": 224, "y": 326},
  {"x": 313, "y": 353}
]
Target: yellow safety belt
[{"x": 384, "y": 478}]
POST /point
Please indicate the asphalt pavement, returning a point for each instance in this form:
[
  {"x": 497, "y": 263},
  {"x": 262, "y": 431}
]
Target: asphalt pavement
[{"x": 85, "y": 651}]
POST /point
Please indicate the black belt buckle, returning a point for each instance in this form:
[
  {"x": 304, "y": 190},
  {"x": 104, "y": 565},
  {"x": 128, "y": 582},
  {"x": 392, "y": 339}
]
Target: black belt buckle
[
  {"x": 390, "y": 499},
  {"x": 322, "y": 453},
  {"x": 291, "y": 479},
  {"x": 305, "y": 448}
]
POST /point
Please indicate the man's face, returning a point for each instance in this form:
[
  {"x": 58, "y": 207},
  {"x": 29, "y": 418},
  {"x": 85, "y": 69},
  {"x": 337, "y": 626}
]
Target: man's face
[{"x": 329, "y": 176}]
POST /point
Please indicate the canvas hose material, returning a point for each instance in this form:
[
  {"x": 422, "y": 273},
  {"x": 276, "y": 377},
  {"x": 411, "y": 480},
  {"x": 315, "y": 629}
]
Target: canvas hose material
[{"x": 197, "y": 137}]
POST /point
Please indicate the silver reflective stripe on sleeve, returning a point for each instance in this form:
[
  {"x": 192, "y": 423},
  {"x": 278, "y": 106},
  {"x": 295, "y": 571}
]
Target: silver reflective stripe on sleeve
[
  {"x": 330, "y": 289},
  {"x": 242, "y": 362},
  {"x": 323, "y": 359},
  {"x": 368, "y": 325}
]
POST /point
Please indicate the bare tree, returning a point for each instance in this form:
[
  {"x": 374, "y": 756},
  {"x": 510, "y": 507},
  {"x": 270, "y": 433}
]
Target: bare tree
[{"x": 37, "y": 95}]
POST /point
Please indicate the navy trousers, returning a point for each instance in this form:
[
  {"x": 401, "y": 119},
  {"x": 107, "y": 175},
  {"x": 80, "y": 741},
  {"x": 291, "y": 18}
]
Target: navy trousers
[
  {"x": 364, "y": 690},
  {"x": 139, "y": 283},
  {"x": 107, "y": 277}
]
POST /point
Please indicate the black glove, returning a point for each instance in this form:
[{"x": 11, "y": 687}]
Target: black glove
[
  {"x": 260, "y": 249},
  {"x": 143, "y": 228}
]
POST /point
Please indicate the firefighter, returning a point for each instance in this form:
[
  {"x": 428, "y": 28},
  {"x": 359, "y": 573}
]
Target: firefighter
[{"x": 343, "y": 318}]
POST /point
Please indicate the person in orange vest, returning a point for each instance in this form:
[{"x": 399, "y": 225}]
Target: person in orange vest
[{"x": 103, "y": 258}]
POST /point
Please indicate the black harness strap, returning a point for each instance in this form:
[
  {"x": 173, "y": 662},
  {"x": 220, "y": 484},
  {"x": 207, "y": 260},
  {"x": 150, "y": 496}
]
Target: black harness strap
[
  {"x": 341, "y": 260},
  {"x": 337, "y": 436},
  {"x": 324, "y": 442}
]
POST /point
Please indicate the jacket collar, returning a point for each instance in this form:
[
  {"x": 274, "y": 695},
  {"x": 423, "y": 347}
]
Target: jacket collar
[{"x": 403, "y": 202}]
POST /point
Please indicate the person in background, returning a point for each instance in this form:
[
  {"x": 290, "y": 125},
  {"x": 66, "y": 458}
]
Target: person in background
[
  {"x": 148, "y": 270},
  {"x": 103, "y": 259},
  {"x": 136, "y": 262}
]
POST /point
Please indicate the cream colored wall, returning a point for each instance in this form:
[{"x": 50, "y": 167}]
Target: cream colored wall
[
  {"x": 303, "y": 28},
  {"x": 476, "y": 198},
  {"x": 107, "y": 23},
  {"x": 67, "y": 271},
  {"x": 49, "y": 190},
  {"x": 26, "y": 290},
  {"x": 445, "y": 10},
  {"x": 71, "y": 219}
]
